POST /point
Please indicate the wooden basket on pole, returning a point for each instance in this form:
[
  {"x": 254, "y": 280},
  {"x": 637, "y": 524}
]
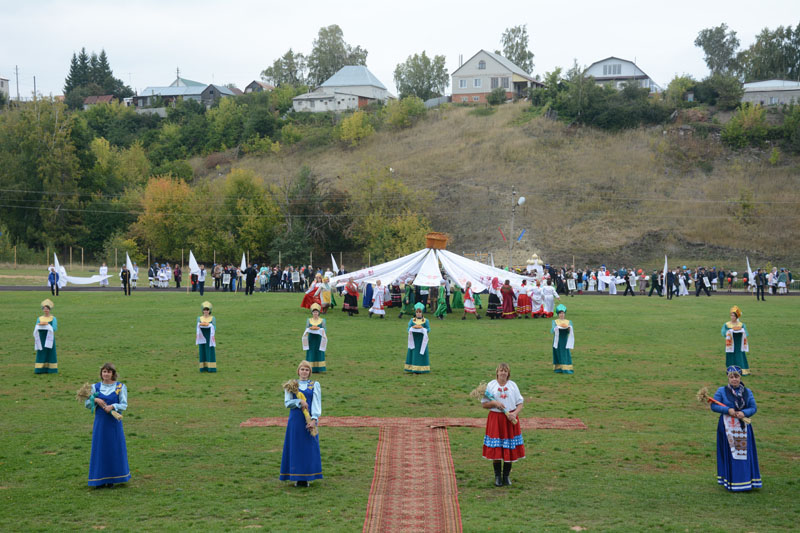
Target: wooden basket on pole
[{"x": 436, "y": 240}]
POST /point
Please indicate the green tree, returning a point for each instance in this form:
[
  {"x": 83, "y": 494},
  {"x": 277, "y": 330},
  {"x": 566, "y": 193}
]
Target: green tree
[
  {"x": 675, "y": 95},
  {"x": 289, "y": 69},
  {"x": 78, "y": 75},
  {"x": 422, "y": 76},
  {"x": 719, "y": 45},
  {"x": 330, "y": 53},
  {"x": 164, "y": 225},
  {"x": 722, "y": 90},
  {"x": 225, "y": 124},
  {"x": 91, "y": 76},
  {"x": 748, "y": 127},
  {"x": 515, "y": 47},
  {"x": 775, "y": 54},
  {"x": 497, "y": 96},
  {"x": 403, "y": 113}
]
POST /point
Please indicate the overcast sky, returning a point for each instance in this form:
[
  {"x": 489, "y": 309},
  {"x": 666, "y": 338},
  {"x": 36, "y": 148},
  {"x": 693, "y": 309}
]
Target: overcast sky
[{"x": 232, "y": 42}]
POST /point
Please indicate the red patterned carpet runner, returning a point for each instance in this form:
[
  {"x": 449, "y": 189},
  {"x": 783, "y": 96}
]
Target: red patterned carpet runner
[{"x": 414, "y": 484}]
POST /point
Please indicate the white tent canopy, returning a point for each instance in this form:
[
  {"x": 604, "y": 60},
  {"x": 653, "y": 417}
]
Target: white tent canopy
[{"x": 423, "y": 268}]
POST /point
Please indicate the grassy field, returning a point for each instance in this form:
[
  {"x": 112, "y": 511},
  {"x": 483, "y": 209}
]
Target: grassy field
[{"x": 646, "y": 462}]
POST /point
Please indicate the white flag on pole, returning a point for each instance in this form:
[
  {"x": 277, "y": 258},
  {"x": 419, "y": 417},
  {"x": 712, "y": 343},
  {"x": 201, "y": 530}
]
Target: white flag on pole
[
  {"x": 243, "y": 266},
  {"x": 750, "y": 280},
  {"x": 128, "y": 263},
  {"x": 664, "y": 288},
  {"x": 194, "y": 268},
  {"x": 335, "y": 268}
]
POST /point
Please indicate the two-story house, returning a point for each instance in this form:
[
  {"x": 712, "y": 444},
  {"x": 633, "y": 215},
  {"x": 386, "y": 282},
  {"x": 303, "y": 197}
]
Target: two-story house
[
  {"x": 617, "y": 72},
  {"x": 486, "y": 71}
]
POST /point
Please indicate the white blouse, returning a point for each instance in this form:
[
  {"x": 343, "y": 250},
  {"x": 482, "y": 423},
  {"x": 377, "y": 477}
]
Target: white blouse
[{"x": 512, "y": 399}]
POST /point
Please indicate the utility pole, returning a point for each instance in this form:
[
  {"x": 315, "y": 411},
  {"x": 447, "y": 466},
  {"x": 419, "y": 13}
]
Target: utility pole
[
  {"x": 511, "y": 233},
  {"x": 16, "y": 73},
  {"x": 34, "y": 99}
]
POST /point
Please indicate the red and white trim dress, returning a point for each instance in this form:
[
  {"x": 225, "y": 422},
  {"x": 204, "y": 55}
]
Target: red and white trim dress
[
  {"x": 503, "y": 440},
  {"x": 523, "y": 302},
  {"x": 469, "y": 301}
]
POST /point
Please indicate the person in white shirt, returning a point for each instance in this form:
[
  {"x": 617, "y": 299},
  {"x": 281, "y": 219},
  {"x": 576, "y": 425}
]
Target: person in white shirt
[
  {"x": 104, "y": 272},
  {"x": 503, "y": 443}
]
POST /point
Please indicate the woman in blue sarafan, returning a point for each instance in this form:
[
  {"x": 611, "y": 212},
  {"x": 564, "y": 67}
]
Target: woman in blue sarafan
[
  {"x": 301, "y": 461},
  {"x": 737, "y": 460},
  {"x": 109, "y": 460}
]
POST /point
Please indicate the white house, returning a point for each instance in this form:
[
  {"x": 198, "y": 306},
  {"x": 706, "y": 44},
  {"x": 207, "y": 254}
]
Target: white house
[
  {"x": 352, "y": 87},
  {"x": 4, "y": 88},
  {"x": 617, "y": 72},
  {"x": 772, "y": 92},
  {"x": 484, "y": 72}
]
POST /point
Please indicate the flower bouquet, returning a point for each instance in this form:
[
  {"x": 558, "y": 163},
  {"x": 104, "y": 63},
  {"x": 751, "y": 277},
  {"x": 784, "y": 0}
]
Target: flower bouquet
[
  {"x": 293, "y": 387},
  {"x": 481, "y": 392}
]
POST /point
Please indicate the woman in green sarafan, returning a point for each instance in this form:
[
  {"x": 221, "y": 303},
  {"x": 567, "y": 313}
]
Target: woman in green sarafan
[
  {"x": 417, "y": 358},
  {"x": 458, "y": 298},
  {"x": 408, "y": 301},
  {"x": 315, "y": 340},
  {"x": 563, "y": 342},
  {"x": 206, "y": 339}
]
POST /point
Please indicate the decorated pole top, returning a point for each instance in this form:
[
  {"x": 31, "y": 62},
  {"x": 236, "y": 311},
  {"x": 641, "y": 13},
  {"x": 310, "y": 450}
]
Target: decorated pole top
[{"x": 436, "y": 240}]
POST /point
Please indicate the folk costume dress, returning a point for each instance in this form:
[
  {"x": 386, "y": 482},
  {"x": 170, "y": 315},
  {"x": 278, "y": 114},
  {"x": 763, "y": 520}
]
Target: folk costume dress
[
  {"x": 311, "y": 296},
  {"x": 736, "y": 346},
  {"x": 509, "y": 310},
  {"x": 206, "y": 340},
  {"x": 350, "y": 298},
  {"x": 523, "y": 302},
  {"x": 469, "y": 301},
  {"x": 737, "y": 459},
  {"x": 418, "y": 359},
  {"x": 367, "y": 297},
  {"x": 563, "y": 342},
  {"x": 409, "y": 300},
  {"x": 441, "y": 303},
  {"x": 109, "y": 460},
  {"x": 45, "y": 344},
  {"x": 301, "y": 459},
  {"x": 503, "y": 440},
  {"x": 397, "y": 296},
  {"x": 458, "y": 299},
  {"x": 549, "y": 296},
  {"x": 537, "y": 305},
  {"x": 379, "y": 297},
  {"x": 315, "y": 342}
]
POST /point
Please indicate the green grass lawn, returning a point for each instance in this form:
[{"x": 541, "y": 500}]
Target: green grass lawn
[{"x": 647, "y": 461}]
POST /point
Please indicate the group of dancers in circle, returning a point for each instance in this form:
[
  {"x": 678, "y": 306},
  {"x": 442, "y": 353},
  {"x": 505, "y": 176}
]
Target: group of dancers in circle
[{"x": 737, "y": 461}]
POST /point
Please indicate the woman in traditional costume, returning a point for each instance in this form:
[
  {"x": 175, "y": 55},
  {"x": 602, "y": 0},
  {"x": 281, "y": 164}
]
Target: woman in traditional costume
[
  {"x": 503, "y": 443},
  {"x": 508, "y": 297},
  {"x": 458, "y": 298},
  {"x": 326, "y": 294},
  {"x": 350, "y": 298},
  {"x": 206, "y": 339},
  {"x": 549, "y": 297},
  {"x": 45, "y": 341},
  {"x": 537, "y": 306},
  {"x": 563, "y": 342},
  {"x": 441, "y": 302},
  {"x": 301, "y": 461},
  {"x": 379, "y": 296},
  {"x": 315, "y": 340},
  {"x": 366, "y": 300},
  {"x": 108, "y": 464},
  {"x": 397, "y": 296},
  {"x": 737, "y": 460},
  {"x": 494, "y": 308},
  {"x": 312, "y": 294},
  {"x": 417, "y": 357},
  {"x": 408, "y": 301},
  {"x": 523, "y": 301},
  {"x": 736, "y": 343},
  {"x": 469, "y": 302}
]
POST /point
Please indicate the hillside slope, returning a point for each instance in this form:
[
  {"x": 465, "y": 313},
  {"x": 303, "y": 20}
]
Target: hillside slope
[{"x": 603, "y": 197}]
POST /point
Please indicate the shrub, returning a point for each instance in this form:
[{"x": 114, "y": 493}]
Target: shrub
[
  {"x": 497, "y": 96},
  {"x": 355, "y": 128},
  {"x": 747, "y": 127},
  {"x": 403, "y": 113}
]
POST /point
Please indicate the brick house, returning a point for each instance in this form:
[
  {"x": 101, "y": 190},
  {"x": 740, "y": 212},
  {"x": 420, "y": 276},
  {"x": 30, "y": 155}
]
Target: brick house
[{"x": 486, "y": 71}]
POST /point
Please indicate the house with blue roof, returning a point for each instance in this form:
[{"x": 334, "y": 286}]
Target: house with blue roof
[
  {"x": 352, "y": 87},
  {"x": 184, "y": 89}
]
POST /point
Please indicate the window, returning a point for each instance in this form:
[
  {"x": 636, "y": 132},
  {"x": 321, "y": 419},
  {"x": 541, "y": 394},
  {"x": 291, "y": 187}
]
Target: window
[
  {"x": 462, "y": 84},
  {"x": 465, "y": 98},
  {"x": 476, "y": 82},
  {"x": 605, "y": 70},
  {"x": 476, "y": 98},
  {"x": 312, "y": 104},
  {"x": 495, "y": 83},
  {"x": 773, "y": 100},
  {"x": 481, "y": 65},
  {"x": 504, "y": 82}
]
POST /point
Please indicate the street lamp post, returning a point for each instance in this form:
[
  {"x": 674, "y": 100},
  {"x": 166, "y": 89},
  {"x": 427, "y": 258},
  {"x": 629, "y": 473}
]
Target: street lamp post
[{"x": 514, "y": 204}]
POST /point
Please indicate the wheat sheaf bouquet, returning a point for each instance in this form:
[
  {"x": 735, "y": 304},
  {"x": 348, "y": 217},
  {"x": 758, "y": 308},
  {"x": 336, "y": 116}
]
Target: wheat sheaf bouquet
[
  {"x": 704, "y": 397},
  {"x": 481, "y": 392},
  {"x": 86, "y": 392},
  {"x": 294, "y": 387}
]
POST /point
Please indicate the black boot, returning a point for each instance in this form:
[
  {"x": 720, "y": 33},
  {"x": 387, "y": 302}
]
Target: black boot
[
  {"x": 498, "y": 480},
  {"x": 506, "y": 472}
]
